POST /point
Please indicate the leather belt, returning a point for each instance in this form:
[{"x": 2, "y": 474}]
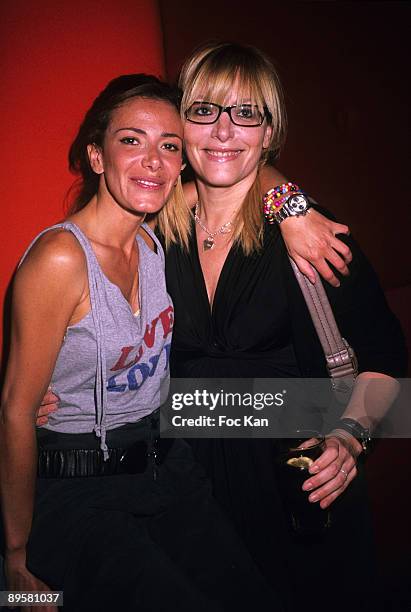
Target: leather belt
[{"x": 76, "y": 463}]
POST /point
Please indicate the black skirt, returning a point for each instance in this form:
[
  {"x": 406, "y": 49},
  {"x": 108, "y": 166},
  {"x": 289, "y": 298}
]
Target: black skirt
[{"x": 132, "y": 542}]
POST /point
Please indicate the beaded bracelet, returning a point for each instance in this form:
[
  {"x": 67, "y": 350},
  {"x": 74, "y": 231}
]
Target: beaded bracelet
[
  {"x": 276, "y": 193},
  {"x": 272, "y": 207}
]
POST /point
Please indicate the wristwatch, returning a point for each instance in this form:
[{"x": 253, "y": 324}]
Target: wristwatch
[
  {"x": 362, "y": 434},
  {"x": 296, "y": 205}
]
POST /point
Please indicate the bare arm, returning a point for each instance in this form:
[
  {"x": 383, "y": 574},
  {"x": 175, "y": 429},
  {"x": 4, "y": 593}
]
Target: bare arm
[
  {"x": 335, "y": 469},
  {"x": 311, "y": 239},
  {"x": 47, "y": 289}
]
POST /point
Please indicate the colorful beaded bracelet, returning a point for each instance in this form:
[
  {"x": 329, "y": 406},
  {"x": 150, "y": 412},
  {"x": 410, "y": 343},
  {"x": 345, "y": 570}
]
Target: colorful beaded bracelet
[
  {"x": 277, "y": 193},
  {"x": 272, "y": 207}
]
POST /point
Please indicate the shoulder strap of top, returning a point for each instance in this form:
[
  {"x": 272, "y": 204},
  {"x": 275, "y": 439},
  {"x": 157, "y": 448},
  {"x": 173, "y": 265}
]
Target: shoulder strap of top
[
  {"x": 74, "y": 229},
  {"x": 33, "y": 242}
]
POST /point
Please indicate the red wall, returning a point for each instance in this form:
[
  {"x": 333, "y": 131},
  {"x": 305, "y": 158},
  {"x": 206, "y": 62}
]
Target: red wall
[{"x": 55, "y": 58}]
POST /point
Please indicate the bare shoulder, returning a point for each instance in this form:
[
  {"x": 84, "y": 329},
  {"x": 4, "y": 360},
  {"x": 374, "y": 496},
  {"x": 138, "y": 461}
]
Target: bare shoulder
[
  {"x": 56, "y": 260},
  {"x": 57, "y": 250}
]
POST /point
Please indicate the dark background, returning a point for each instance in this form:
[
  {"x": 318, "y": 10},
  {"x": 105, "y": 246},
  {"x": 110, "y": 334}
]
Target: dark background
[{"x": 345, "y": 71}]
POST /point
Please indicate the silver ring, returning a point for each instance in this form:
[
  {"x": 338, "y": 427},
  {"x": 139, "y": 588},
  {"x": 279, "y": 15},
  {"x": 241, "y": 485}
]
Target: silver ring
[{"x": 344, "y": 472}]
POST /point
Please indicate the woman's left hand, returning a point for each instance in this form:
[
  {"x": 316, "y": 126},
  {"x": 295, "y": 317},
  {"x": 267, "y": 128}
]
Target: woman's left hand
[
  {"x": 333, "y": 471},
  {"x": 49, "y": 404}
]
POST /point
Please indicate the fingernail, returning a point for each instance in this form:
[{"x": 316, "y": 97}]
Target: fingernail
[
  {"x": 313, "y": 497},
  {"x": 307, "y": 486},
  {"x": 314, "y": 469}
]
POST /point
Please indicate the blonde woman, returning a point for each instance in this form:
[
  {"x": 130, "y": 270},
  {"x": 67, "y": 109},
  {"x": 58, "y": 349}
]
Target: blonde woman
[{"x": 240, "y": 314}]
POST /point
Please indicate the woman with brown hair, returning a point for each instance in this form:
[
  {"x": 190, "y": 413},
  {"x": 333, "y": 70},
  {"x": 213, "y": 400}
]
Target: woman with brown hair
[{"x": 94, "y": 503}]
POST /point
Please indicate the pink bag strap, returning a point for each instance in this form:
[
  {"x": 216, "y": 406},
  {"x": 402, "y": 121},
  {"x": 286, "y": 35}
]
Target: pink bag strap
[{"x": 340, "y": 357}]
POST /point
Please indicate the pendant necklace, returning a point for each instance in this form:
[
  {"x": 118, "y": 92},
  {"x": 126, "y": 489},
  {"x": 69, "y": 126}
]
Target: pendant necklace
[{"x": 208, "y": 243}]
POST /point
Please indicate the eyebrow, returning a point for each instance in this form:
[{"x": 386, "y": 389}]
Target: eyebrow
[
  {"x": 239, "y": 103},
  {"x": 140, "y": 131}
]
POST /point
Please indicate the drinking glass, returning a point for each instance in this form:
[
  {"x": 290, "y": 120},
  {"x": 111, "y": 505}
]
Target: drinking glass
[{"x": 296, "y": 455}]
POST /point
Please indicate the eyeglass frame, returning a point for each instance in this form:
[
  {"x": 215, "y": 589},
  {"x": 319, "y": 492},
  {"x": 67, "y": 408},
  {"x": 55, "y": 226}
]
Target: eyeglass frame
[{"x": 227, "y": 109}]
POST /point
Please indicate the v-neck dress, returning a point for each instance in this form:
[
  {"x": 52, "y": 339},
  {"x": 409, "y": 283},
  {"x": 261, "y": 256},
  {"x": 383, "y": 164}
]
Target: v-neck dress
[{"x": 259, "y": 327}]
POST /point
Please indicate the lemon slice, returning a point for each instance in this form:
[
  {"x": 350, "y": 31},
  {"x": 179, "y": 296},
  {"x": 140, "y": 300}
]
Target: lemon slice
[{"x": 300, "y": 462}]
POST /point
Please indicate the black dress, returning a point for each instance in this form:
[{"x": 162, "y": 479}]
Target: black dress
[{"x": 259, "y": 326}]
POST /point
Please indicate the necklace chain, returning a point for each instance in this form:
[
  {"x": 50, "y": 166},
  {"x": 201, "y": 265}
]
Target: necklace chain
[{"x": 208, "y": 243}]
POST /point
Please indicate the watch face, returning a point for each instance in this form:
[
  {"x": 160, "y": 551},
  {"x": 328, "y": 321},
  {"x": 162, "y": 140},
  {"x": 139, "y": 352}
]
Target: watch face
[{"x": 297, "y": 204}]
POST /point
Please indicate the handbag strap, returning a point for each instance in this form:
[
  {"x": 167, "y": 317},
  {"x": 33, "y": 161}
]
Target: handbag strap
[{"x": 340, "y": 358}]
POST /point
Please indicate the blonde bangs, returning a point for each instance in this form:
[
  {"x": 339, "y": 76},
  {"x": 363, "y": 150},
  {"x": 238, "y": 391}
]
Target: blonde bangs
[
  {"x": 211, "y": 75},
  {"x": 217, "y": 83}
]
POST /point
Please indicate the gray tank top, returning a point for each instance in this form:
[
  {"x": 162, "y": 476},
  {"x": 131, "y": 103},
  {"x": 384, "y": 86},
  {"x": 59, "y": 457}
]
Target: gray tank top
[{"x": 113, "y": 366}]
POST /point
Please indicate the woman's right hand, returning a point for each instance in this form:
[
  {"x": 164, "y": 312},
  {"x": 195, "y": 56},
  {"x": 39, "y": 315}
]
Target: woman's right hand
[
  {"x": 311, "y": 240},
  {"x": 49, "y": 404},
  {"x": 20, "y": 579}
]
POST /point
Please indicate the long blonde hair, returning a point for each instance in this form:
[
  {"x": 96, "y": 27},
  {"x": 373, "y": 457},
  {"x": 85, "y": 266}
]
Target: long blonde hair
[{"x": 211, "y": 72}]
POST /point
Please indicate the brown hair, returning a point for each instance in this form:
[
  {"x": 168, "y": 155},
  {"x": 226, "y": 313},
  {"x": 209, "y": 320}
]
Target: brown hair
[{"x": 92, "y": 130}]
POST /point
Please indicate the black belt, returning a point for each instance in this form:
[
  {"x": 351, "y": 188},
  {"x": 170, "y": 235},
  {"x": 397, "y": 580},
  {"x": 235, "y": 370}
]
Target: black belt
[{"x": 75, "y": 463}]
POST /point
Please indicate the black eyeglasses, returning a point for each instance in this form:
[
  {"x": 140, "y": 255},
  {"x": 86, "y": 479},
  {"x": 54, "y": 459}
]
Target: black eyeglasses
[{"x": 246, "y": 115}]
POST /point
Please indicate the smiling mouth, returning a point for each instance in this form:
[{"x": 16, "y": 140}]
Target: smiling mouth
[
  {"x": 146, "y": 183},
  {"x": 223, "y": 156}
]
